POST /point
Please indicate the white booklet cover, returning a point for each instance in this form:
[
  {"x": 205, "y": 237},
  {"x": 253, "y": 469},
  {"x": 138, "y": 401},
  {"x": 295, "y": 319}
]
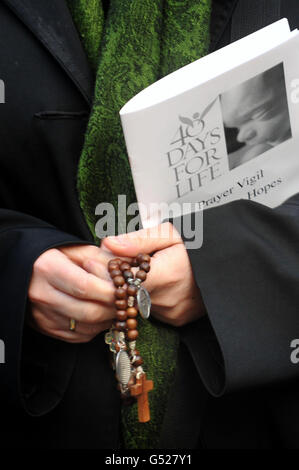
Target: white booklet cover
[{"x": 222, "y": 128}]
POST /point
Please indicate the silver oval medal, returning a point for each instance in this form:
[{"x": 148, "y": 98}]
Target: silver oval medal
[
  {"x": 144, "y": 302},
  {"x": 123, "y": 367}
]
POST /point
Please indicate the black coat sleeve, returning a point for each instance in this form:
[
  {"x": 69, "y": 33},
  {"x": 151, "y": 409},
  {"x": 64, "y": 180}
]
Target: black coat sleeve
[
  {"x": 248, "y": 273},
  {"x": 29, "y": 378}
]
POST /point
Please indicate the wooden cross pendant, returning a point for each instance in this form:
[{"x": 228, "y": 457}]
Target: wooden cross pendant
[{"x": 140, "y": 391}]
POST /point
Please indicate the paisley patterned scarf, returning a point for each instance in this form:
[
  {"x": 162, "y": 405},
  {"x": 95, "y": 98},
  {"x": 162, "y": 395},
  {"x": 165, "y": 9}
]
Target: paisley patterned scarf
[{"x": 131, "y": 44}]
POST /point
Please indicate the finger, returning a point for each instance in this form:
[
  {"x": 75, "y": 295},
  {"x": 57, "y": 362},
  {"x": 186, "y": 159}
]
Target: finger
[
  {"x": 144, "y": 241},
  {"x": 99, "y": 270},
  {"x": 92, "y": 259},
  {"x": 67, "y": 336},
  {"x": 88, "y": 312},
  {"x": 71, "y": 279},
  {"x": 86, "y": 256},
  {"x": 79, "y": 253},
  {"x": 85, "y": 311},
  {"x": 39, "y": 325},
  {"x": 51, "y": 322}
]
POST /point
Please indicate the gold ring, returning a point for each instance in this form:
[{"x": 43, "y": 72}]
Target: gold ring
[{"x": 72, "y": 324}]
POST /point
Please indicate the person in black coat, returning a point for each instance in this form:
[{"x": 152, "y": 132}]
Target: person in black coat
[{"x": 236, "y": 385}]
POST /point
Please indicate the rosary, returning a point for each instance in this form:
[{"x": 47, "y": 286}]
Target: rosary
[{"x": 131, "y": 298}]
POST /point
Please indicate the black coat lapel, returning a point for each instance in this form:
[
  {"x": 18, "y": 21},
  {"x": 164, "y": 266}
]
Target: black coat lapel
[
  {"x": 51, "y": 22},
  {"x": 251, "y": 15},
  {"x": 222, "y": 12}
]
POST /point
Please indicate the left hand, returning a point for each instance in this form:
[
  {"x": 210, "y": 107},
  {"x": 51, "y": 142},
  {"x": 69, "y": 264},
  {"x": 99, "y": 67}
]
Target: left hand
[{"x": 175, "y": 297}]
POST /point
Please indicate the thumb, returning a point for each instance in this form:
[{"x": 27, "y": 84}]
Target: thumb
[{"x": 144, "y": 241}]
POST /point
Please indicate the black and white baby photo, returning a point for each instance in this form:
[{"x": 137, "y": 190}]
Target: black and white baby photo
[{"x": 256, "y": 116}]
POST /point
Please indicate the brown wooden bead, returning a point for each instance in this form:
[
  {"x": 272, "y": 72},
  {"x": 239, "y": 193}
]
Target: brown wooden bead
[
  {"x": 145, "y": 266},
  {"x": 132, "y": 290},
  {"x": 120, "y": 325},
  {"x": 134, "y": 263},
  {"x": 131, "y": 323},
  {"x": 143, "y": 258},
  {"x": 112, "y": 265},
  {"x": 121, "y": 315},
  {"x": 141, "y": 275},
  {"x": 120, "y": 293},
  {"x": 139, "y": 258},
  {"x": 132, "y": 312},
  {"x": 132, "y": 335},
  {"x": 121, "y": 304},
  {"x": 115, "y": 272},
  {"x": 125, "y": 266},
  {"x": 127, "y": 274},
  {"x": 117, "y": 260},
  {"x": 118, "y": 281},
  {"x": 138, "y": 361}
]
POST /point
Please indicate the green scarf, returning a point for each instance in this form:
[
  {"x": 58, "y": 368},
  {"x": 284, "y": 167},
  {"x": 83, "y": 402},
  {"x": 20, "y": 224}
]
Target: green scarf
[{"x": 136, "y": 44}]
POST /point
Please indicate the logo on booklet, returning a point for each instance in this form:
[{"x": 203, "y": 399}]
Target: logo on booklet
[{"x": 195, "y": 152}]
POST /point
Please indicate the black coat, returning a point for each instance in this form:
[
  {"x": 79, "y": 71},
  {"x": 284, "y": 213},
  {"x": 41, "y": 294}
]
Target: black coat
[{"x": 236, "y": 386}]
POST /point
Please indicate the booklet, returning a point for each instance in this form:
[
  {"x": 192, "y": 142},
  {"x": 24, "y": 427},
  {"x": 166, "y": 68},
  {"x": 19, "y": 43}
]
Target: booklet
[{"x": 222, "y": 128}]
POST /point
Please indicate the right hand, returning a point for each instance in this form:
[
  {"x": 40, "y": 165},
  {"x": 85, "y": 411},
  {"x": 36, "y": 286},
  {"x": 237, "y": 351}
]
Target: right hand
[{"x": 62, "y": 287}]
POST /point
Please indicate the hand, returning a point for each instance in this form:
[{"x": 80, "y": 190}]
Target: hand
[
  {"x": 175, "y": 297},
  {"x": 71, "y": 282}
]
